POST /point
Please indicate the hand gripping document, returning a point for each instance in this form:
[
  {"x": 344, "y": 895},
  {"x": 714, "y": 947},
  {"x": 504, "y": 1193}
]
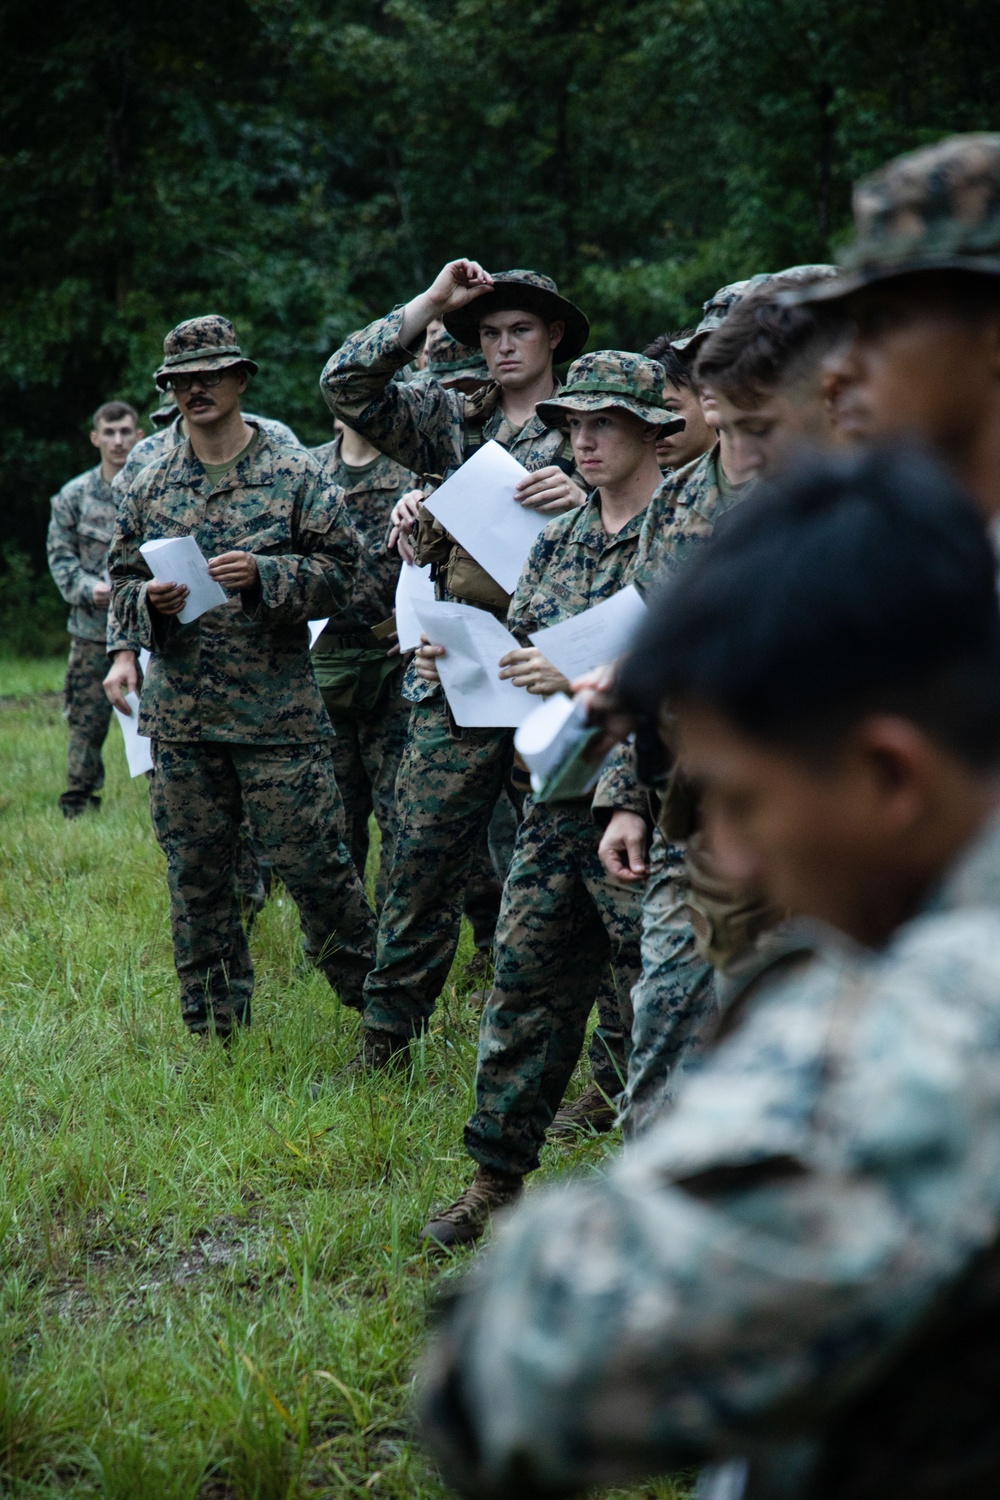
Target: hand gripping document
[
  {"x": 477, "y": 506},
  {"x": 595, "y": 636},
  {"x": 470, "y": 670},
  {"x": 554, "y": 742},
  {"x": 179, "y": 559}
]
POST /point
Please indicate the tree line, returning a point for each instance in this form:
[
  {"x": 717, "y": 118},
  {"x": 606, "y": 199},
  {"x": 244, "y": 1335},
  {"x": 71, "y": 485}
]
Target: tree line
[{"x": 301, "y": 165}]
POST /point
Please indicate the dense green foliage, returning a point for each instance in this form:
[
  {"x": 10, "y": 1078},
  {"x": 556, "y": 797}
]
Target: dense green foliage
[
  {"x": 210, "y": 1283},
  {"x": 303, "y": 164}
]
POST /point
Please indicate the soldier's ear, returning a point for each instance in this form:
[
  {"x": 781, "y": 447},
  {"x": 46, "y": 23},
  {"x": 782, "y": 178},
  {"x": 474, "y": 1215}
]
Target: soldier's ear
[
  {"x": 94, "y": 438},
  {"x": 139, "y": 434},
  {"x": 556, "y": 331}
]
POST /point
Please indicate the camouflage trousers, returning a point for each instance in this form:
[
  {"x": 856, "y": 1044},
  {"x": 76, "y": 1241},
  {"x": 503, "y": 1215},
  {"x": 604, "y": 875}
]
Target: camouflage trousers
[
  {"x": 485, "y": 887},
  {"x": 366, "y": 754},
  {"x": 88, "y": 713},
  {"x": 446, "y": 790},
  {"x": 561, "y": 923},
  {"x": 674, "y": 999},
  {"x": 198, "y": 795}
]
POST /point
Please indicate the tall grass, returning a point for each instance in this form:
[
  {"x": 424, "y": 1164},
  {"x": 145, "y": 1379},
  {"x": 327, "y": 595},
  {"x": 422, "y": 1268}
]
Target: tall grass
[{"x": 210, "y": 1283}]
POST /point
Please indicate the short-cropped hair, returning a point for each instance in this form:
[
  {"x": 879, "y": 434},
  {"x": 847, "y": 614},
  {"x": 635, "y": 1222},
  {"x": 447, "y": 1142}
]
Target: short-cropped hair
[
  {"x": 762, "y": 347},
  {"x": 114, "y": 411},
  {"x": 853, "y": 585},
  {"x": 677, "y": 367}
]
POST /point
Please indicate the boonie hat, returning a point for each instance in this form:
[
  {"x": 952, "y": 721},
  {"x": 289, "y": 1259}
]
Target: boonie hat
[
  {"x": 608, "y": 379},
  {"x": 207, "y": 343},
  {"x": 719, "y": 305},
  {"x": 165, "y": 413},
  {"x": 447, "y": 359},
  {"x": 936, "y": 209},
  {"x": 531, "y": 292}
]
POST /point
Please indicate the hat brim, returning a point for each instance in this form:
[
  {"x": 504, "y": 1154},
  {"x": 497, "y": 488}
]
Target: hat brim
[
  {"x": 553, "y": 413},
  {"x": 463, "y": 323},
  {"x": 203, "y": 362},
  {"x": 835, "y": 289}
]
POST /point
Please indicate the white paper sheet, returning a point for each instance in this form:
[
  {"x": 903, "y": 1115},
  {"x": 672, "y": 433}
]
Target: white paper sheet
[
  {"x": 594, "y": 636},
  {"x": 144, "y": 658},
  {"x": 138, "y": 750},
  {"x": 549, "y": 733},
  {"x": 316, "y": 628},
  {"x": 414, "y": 586},
  {"x": 179, "y": 559},
  {"x": 477, "y": 506},
  {"x": 469, "y": 672}
]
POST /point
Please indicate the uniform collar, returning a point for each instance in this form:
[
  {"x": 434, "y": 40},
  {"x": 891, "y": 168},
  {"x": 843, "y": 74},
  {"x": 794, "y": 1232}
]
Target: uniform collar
[
  {"x": 253, "y": 470},
  {"x": 588, "y": 528}
]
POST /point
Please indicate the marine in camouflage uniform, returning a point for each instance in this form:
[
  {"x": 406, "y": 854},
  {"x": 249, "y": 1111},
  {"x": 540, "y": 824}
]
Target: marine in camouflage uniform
[
  {"x": 80, "y": 529},
  {"x": 231, "y": 704},
  {"x": 449, "y": 778},
  {"x": 697, "y": 932},
  {"x": 799, "y": 1263},
  {"x": 562, "y": 920},
  {"x": 361, "y": 684}
]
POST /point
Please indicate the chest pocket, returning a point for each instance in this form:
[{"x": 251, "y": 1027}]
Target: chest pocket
[{"x": 94, "y": 541}]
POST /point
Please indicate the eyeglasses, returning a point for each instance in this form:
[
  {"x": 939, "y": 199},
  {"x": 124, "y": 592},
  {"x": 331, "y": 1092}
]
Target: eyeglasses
[{"x": 207, "y": 378}]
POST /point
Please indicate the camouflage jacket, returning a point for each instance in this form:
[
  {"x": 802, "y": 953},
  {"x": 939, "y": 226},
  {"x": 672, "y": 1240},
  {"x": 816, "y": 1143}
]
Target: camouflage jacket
[
  {"x": 369, "y": 495},
  {"x": 679, "y": 519},
  {"x": 241, "y": 673},
  {"x": 573, "y": 564},
  {"x": 80, "y": 530},
  {"x": 146, "y": 451},
  {"x": 831, "y": 1169},
  {"x": 425, "y": 427}
]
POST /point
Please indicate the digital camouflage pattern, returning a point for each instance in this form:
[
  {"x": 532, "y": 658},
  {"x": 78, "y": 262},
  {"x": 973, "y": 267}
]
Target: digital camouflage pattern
[
  {"x": 198, "y": 795},
  {"x": 525, "y": 291},
  {"x": 241, "y": 673},
  {"x": 448, "y": 360},
  {"x": 612, "y": 380},
  {"x": 360, "y": 684},
  {"x": 80, "y": 530},
  {"x": 750, "y": 1269},
  {"x": 88, "y": 714},
  {"x": 446, "y": 789},
  {"x": 562, "y": 923},
  {"x": 935, "y": 209},
  {"x": 205, "y": 343},
  {"x": 674, "y": 1000}
]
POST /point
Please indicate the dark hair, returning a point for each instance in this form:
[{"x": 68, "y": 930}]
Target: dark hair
[
  {"x": 114, "y": 411},
  {"x": 677, "y": 367},
  {"x": 853, "y": 585},
  {"x": 762, "y": 346}
]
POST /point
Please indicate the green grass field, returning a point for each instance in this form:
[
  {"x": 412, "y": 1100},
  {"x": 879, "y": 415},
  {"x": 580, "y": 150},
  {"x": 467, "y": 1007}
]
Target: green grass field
[{"x": 210, "y": 1286}]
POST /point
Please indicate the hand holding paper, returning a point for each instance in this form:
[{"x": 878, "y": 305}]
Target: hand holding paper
[
  {"x": 477, "y": 506},
  {"x": 596, "y": 635},
  {"x": 179, "y": 560},
  {"x": 469, "y": 670}
]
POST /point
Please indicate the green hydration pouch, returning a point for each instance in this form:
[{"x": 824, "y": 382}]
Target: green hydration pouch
[{"x": 353, "y": 675}]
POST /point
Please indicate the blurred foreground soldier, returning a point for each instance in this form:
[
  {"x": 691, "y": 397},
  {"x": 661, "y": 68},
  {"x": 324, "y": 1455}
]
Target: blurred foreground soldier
[
  {"x": 799, "y": 1265},
  {"x": 360, "y": 682},
  {"x": 921, "y": 283},
  {"x": 83, "y": 517},
  {"x": 675, "y": 449},
  {"x": 230, "y": 701},
  {"x": 561, "y": 921},
  {"x": 449, "y": 778},
  {"x": 457, "y": 367}
]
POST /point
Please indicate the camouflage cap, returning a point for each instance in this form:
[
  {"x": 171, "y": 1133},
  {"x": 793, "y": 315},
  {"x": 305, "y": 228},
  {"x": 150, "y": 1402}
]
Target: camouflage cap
[
  {"x": 936, "y": 209},
  {"x": 166, "y": 411},
  {"x": 612, "y": 379},
  {"x": 447, "y": 359},
  {"x": 531, "y": 292},
  {"x": 715, "y": 309},
  {"x": 207, "y": 343}
]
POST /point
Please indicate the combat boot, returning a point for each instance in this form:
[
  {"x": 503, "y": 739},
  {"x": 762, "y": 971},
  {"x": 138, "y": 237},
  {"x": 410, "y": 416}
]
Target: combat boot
[
  {"x": 589, "y": 1111},
  {"x": 381, "y": 1052},
  {"x": 464, "y": 1220}
]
